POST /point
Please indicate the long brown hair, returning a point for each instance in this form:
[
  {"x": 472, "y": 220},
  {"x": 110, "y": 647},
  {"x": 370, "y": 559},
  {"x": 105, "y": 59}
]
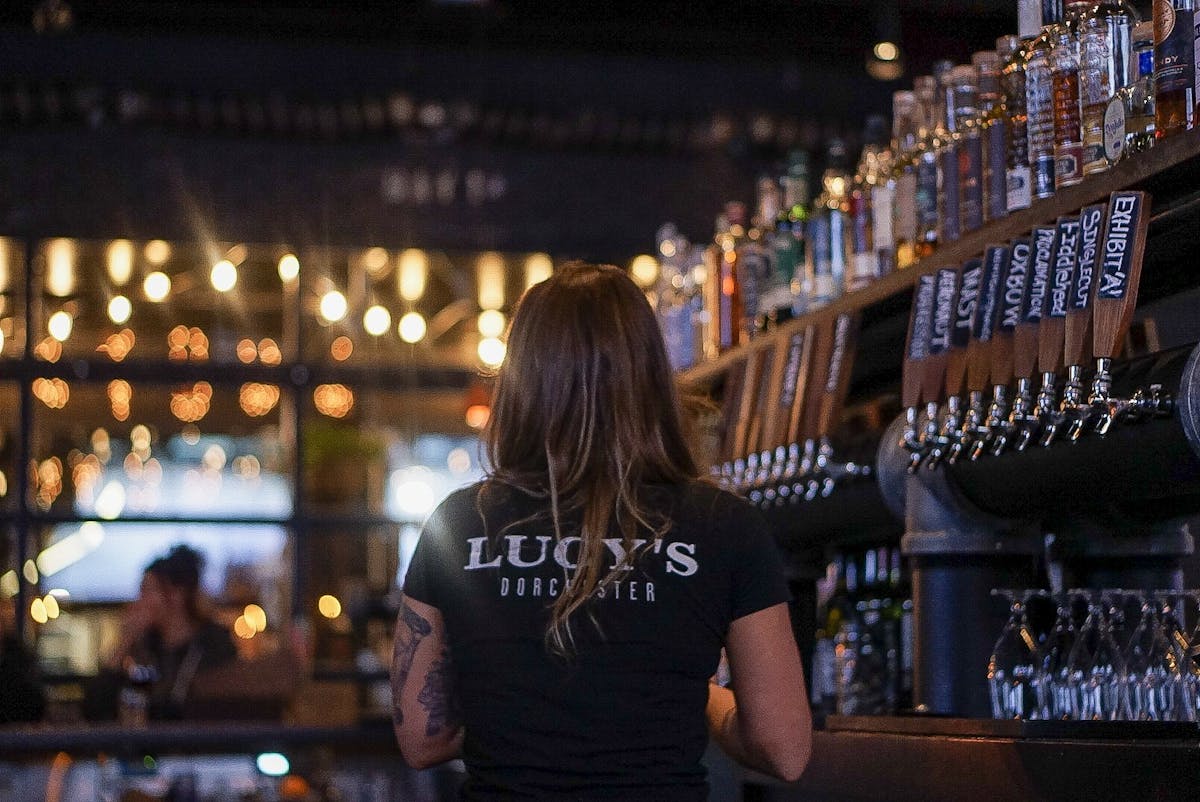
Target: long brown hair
[{"x": 585, "y": 413}]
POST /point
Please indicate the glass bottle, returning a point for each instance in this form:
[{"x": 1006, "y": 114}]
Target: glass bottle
[
  {"x": 775, "y": 298},
  {"x": 883, "y": 200},
  {"x": 1095, "y": 88},
  {"x": 965, "y": 79},
  {"x": 1039, "y": 105},
  {"x": 750, "y": 268},
  {"x": 864, "y": 266},
  {"x": 830, "y": 229},
  {"x": 790, "y": 227},
  {"x": 830, "y": 617},
  {"x": 992, "y": 117},
  {"x": 947, "y": 143},
  {"x": 904, "y": 176},
  {"x": 925, "y": 89},
  {"x": 1129, "y": 116},
  {"x": 1068, "y": 135},
  {"x": 1018, "y": 189},
  {"x": 676, "y": 298},
  {"x": 723, "y": 296},
  {"x": 1175, "y": 65}
]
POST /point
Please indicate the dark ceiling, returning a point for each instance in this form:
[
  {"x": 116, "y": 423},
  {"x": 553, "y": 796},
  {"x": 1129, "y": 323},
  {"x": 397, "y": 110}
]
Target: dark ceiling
[{"x": 805, "y": 31}]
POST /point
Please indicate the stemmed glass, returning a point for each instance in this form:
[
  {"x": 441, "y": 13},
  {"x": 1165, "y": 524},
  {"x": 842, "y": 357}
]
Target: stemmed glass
[
  {"x": 1190, "y": 685},
  {"x": 1011, "y": 667},
  {"x": 1095, "y": 668},
  {"x": 1051, "y": 679},
  {"x": 1155, "y": 675}
]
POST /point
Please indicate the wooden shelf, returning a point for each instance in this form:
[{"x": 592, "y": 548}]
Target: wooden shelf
[{"x": 1170, "y": 168}]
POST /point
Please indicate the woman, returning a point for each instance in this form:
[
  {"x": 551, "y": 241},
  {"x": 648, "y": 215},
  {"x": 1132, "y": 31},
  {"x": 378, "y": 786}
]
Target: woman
[
  {"x": 561, "y": 620},
  {"x": 166, "y": 631}
]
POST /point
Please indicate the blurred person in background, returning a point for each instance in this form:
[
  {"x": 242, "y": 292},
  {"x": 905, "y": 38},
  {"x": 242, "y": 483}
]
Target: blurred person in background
[
  {"x": 562, "y": 621},
  {"x": 167, "y": 639}
]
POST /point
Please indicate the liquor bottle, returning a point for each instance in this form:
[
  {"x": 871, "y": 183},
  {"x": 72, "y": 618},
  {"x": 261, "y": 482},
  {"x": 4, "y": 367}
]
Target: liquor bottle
[
  {"x": 1012, "y": 53},
  {"x": 1175, "y": 67},
  {"x": 723, "y": 295},
  {"x": 949, "y": 176},
  {"x": 775, "y": 297},
  {"x": 992, "y": 116},
  {"x": 901, "y": 614},
  {"x": 829, "y": 229},
  {"x": 965, "y": 79},
  {"x": 1039, "y": 106},
  {"x": 1068, "y": 136},
  {"x": 830, "y": 618},
  {"x": 1129, "y": 116},
  {"x": 1095, "y": 89},
  {"x": 925, "y": 90},
  {"x": 883, "y": 200},
  {"x": 790, "y": 239},
  {"x": 904, "y": 177},
  {"x": 864, "y": 265},
  {"x": 677, "y": 298}
]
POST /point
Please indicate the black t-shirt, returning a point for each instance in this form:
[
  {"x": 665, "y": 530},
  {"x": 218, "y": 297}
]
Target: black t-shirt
[{"x": 623, "y": 717}]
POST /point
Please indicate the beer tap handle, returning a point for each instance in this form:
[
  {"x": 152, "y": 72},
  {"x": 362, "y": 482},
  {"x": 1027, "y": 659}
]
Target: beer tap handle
[
  {"x": 972, "y": 435},
  {"x": 837, "y": 384},
  {"x": 731, "y": 398},
  {"x": 920, "y": 324},
  {"x": 810, "y": 426},
  {"x": 747, "y": 407},
  {"x": 1014, "y": 264},
  {"x": 1064, "y": 264},
  {"x": 1077, "y": 343},
  {"x": 966, "y": 300},
  {"x": 933, "y": 372},
  {"x": 1117, "y": 281},
  {"x": 1025, "y": 339}
]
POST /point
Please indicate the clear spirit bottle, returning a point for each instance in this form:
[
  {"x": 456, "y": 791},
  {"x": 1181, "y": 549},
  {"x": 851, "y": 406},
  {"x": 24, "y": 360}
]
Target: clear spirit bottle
[
  {"x": 1039, "y": 105},
  {"x": 864, "y": 266},
  {"x": 1012, "y": 52},
  {"x": 947, "y": 144},
  {"x": 775, "y": 297},
  {"x": 965, "y": 79},
  {"x": 791, "y": 228},
  {"x": 1129, "y": 117},
  {"x": 829, "y": 229},
  {"x": 1104, "y": 34},
  {"x": 925, "y": 89},
  {"x": 992, "y": 122},
  {"x": 904, "y": 177}
]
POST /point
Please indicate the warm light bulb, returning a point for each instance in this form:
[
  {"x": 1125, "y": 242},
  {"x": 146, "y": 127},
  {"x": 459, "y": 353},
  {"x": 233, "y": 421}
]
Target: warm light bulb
[
  {"x": 412, "y": 327},
  {"x": 414, "y": 268},
  {"x": 119, "y": 309},
  {"x": 538, "y": 268},
  {"x": 887, "y": 51},
  {"x": 377, "y": 320},
  {"x": 120, "y": 261},
  {"x": 289, "y": 267},
  {"x": 491, "y": 323},
  {"x": 59, "y": 325},
  {"x": 223, "y": 276},
  {"x": 333, "y": 306},
  {"x": 329, "y": 606},
  {"x": 157, "y": 286},
  {"x": 491, "y": 351},
  {"x": 644, "y": 271}
]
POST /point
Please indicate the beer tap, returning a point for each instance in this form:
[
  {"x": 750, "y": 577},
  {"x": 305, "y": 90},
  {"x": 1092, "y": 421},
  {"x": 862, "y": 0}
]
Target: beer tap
[
  {"x": 827, "y": 472},
  {"x": 1064, "y": 263},
  {"x": 743, "y": 444},
  {"x": 966, "y": 299},
  {"x": 731, "y": 399},
  {"x": 789, "y": 405},
  {"x": 979, "y": 351},
  {"x": 1022, "y": 420},
  {"x": 756, "y": 432},
  {"x": 1012, "y": 264},
  {"x": 920, "y": 324},
  {"x": 1120, "y": 273},
  {"x": 933, "y": 368},
  {"x": 1077, "y": 343},
  {"x": 804, "y": 486}
]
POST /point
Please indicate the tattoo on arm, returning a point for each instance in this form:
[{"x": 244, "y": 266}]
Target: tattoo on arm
[
  {"x": 411, "y": 629},
  {"x": 438, "y": 697}
]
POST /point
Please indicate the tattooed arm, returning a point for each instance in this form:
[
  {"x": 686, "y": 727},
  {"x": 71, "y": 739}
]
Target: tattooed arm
[{"x": 425, "y": 710}]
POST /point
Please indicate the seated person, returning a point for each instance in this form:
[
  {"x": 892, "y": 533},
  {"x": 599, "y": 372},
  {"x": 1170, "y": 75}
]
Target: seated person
[{"x": 167, "y": 630}]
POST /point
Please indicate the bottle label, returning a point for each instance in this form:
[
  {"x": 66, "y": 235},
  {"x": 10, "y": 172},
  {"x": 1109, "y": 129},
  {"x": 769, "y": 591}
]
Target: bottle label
[
  {"x": 1174, "y": 48},
  {"x": 927, "y": 209},
  {"x": 1068, "y": 164},
  {"x": 1034, "y": 307},
  {"x": 1019, "y": 192},
  {"x": 922, "y": 317},
  {"x": 949, "y": 182},
  {"x": 1043, "y": 176},
  {"x": 970, "y": 165},
  {"x": 996, "y": 176},
  {"x": 1015, "y": 279},
  {"x": 1090, "y": 221},
  {"x": 1065, "y": 265},
  {"x": 1114, "y": 130}
]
